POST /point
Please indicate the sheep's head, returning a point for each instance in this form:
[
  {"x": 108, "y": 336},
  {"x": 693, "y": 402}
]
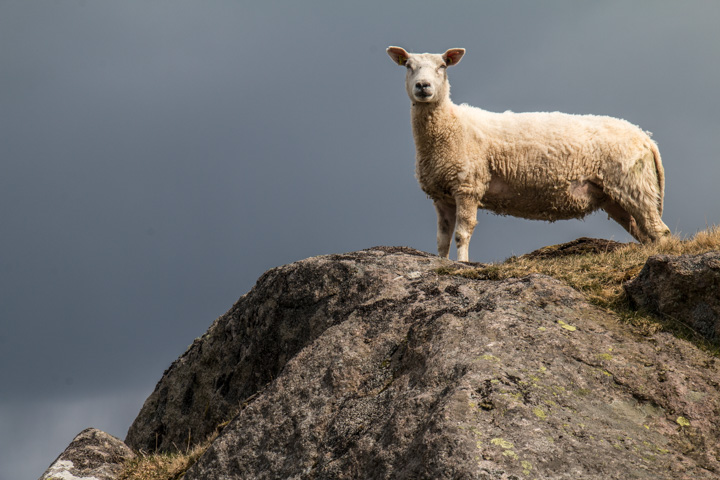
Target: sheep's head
[{"x": 426, "y": 80}]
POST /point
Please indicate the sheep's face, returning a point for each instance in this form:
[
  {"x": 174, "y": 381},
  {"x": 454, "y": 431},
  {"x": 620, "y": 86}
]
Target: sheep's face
[{"x": 426, "y": 80}]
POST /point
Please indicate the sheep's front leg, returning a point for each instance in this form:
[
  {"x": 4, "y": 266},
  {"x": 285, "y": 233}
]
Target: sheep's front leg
[
  {"x": 466, "y": 212},
  {"x": 445, "y": 227}
]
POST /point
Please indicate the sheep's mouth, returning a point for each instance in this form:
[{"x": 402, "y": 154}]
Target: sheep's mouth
[{"x": 423, "y": 94}]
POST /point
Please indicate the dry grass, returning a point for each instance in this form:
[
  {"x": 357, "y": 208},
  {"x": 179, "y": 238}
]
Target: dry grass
[
  {"x": 600, "y": 277},
  {"x": 165, "y": 466},
  {"x": 162, "y": 466}
]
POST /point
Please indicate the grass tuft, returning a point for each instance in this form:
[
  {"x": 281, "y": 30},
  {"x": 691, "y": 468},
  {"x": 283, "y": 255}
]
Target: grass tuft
[{"x": 163, "y": 466}]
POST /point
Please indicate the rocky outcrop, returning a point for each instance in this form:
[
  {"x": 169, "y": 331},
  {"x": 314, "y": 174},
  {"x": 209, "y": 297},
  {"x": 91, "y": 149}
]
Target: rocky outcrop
[
  {"x": 92, "y": 455},
  {"x": 245, "y": 349},
  {"x": 374, "y": 364},
  {"x": 683, "y": 287}
]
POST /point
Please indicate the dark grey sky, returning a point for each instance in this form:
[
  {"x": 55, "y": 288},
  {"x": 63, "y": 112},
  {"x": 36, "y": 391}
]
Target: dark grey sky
[{"x": 158, "y": 156}]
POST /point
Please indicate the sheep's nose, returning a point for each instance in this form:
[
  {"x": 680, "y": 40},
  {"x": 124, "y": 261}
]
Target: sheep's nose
[{"x": 422, "y": 85}]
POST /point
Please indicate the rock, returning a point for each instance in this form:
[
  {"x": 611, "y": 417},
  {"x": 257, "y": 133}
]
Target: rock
[
  {"x": 373, "y": 364},
  {"x": 684, "y": 287},
  {"x": 246, "y": 348},
  {"x": 92, "y": 455},
  {"x": 580, "y": 246}
]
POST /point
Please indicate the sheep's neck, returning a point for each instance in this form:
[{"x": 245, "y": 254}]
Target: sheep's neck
[{"x": 434, "y": 125}]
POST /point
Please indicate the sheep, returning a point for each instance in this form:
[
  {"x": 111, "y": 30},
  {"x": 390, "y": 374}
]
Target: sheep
[{"x": 539, "y": 166}]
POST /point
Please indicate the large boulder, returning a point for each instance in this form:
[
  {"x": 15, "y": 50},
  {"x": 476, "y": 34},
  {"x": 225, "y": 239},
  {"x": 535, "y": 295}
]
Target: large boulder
[
  {"x": 376, "y": 364},
  {"x": 245, "y": 349},
  {"x": 92, "y": 455},
  {"x": 683, "y": 287}
]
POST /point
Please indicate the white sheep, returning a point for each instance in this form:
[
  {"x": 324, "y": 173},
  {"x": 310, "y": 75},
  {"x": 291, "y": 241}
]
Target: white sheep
[{"x": 540, "y": 166}]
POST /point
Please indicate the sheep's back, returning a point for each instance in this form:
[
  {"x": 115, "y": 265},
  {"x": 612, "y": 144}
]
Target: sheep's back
[{"x": 547, "y": 165}]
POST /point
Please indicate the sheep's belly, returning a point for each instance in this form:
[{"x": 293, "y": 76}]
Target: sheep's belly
[{"x": 548, "y": 202}]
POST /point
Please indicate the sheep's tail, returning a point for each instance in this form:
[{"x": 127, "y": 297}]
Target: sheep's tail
[{"x": 660, "y": 173}]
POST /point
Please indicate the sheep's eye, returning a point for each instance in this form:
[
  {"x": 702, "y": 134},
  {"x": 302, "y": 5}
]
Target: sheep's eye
[{"x": 442, "y": 67}]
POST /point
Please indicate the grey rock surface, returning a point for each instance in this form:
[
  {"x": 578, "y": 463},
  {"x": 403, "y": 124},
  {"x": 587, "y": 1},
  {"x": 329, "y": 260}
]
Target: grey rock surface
[
  {"x": 245, "y": 349},
  {"x": 92, "y": 455},
  {"x": 684, "y": 287},
  {"x": 374, "y": 364}
]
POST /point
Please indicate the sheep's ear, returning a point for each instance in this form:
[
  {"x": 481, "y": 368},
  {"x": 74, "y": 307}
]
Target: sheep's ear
[
  {"x": 453, "y": 56},
  {"x": 399, "y": 55}
]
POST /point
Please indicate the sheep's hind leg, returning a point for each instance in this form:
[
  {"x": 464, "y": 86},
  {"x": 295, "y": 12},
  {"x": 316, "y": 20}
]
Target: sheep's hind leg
[
  {"x": 643, "y": 226},
  {"x": 652, "y": 226},
  {"x": 445, "y": 227},
  {"x": 627, "y": 221},
  {"x": 466, "y": 212}
]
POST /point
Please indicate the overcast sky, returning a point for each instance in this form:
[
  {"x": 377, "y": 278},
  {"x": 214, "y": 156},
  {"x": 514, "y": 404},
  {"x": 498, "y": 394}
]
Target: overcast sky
[{"x": 157, "y": 156}]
